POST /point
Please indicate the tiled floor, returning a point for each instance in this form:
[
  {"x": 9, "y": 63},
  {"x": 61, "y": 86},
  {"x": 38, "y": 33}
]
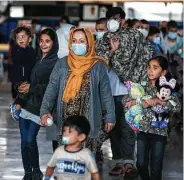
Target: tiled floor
[{"x": 10, "y": 158}]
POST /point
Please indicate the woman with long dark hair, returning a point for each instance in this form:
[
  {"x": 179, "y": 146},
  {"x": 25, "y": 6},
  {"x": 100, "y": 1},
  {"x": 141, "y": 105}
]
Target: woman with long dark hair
[{"x": 29, "y": 122}]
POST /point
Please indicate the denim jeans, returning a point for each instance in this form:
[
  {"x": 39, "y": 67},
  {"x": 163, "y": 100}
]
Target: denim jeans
[
  {"x": 155, "y": 144},
  {"x": 122, "y": 137},
  {"x": 29, "y": 148}
]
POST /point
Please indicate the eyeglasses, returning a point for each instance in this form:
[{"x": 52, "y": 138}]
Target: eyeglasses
[{"x": 21, "y": 37}]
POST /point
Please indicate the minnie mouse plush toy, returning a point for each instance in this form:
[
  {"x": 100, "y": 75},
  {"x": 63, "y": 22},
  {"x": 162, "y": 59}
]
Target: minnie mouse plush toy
[{"x": 165, "y": 88}]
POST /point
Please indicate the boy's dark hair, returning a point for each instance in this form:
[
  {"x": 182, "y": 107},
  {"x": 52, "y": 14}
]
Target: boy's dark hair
[
  {"x": 164, "y": 31},
  {"x": 35, "y": 21},
  {"x": 172, "y": 24},
  {"x": 115, "y": 11},
  {"x": 101, "y": 21},
  {"x": 65, "y": 18},
  {"x": 153, "y": 30},
  {"x": 144, "y": 21},
  {"x": 49, "y": 32},
  {"x": 129, "y": 21},
  {"x": 163, "y": 62},
  {"x": 19, "y": 29},
  {"x": 79, "y": 123},
  {"x": 133, "y": 22}
]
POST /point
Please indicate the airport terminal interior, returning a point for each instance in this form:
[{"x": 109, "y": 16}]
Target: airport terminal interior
[{"x": 163, "y": 17}]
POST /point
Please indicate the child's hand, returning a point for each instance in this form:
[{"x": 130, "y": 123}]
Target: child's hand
[
  {"x": 160, "y": 101},
  {"x": 144, "y": 104},
  {"x": 151, "y": 102}
]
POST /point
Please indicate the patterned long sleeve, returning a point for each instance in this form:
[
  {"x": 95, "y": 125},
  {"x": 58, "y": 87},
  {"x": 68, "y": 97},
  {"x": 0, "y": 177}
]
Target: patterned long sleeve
[
  {"x": 173, "y": 105},
  {"x": 129, "y": 60}
]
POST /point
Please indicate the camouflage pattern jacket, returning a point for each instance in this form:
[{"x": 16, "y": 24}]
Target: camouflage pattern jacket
[{"x": 129, "y": 61}]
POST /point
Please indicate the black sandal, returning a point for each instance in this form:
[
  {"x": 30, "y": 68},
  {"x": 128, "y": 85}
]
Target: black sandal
[
  {"x": 131, "y": 173},
  {"x": 117, "y": 171}
]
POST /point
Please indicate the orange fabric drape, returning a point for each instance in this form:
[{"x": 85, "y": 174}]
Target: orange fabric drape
[{"x": 79, "y": 65}]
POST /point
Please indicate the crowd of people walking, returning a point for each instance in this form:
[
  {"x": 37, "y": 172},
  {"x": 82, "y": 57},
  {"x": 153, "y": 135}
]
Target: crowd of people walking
[{"x": 123, "y": 83}]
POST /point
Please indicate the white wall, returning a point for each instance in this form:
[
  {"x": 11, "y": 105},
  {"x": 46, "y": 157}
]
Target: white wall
[{"x": 157, "y": 12}]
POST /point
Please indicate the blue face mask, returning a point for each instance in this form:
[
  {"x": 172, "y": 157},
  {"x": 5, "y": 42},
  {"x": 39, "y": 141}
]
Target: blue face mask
[
  {"x": 99, "y": 35},
  {"x": 79, "y": 49},
  {"x": 37, "y": 27},
  {"x": 172, "y": 35},
  {"x": 157, "y": 40}
]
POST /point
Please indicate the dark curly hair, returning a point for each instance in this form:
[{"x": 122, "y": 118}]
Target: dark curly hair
[{"x": 17, "y": 30}]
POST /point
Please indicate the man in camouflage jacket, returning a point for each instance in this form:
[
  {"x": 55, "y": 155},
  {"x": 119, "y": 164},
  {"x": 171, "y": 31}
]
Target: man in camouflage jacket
[{"x": 126, "y": 52}]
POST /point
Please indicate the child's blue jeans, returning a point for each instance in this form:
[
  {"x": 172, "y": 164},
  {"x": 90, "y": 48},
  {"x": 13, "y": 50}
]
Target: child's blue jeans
[
  {"x": 29, "y": 148},
  {"x": 155, "y": 144}
]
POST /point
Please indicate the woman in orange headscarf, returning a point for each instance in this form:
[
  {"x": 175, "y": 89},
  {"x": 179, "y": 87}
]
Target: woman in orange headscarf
[{"x": 80, "y": 85}]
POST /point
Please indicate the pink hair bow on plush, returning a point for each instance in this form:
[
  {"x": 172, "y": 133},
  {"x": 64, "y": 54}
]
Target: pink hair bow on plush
[{"x": 163, "y": 81}]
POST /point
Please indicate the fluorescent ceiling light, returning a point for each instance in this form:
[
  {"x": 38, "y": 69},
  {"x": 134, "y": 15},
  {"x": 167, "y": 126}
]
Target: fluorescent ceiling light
[{"x": 16, "y": 11}]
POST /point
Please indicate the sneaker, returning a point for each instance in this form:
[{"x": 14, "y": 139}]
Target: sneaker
[
  {"x": 27, "y": 176},
  {"x": 14, "y": 112},
  {"x": 17, "y": 114},
  {"x": 37, "y": 175}
]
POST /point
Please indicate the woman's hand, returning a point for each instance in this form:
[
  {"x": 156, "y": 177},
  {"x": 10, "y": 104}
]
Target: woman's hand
[
  {"x": 109, "y": 126},
  {"x": 44, "y": 119},
  {"x": 24, "y": 88}
]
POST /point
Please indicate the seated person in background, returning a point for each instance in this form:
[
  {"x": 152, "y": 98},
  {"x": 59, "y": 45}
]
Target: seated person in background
[
  {"x": 154, "y": 38},
  {"x": 101, "y": 28},
  {"x": 173, "y": 41},
  {"x": 145, "y": 27},
  {"x": 72, "y": 161},
  {"x": 135, "y": 24}
]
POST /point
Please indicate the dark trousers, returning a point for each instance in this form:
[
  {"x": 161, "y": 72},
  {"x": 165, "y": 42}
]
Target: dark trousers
[
  {"x": 122, "y": 136},
  {"x": 54, "y": 145},
  {"x": 13, "y": 91},
  {"x": 155, "y": 144},
  {"x": 29, "y": 148}
]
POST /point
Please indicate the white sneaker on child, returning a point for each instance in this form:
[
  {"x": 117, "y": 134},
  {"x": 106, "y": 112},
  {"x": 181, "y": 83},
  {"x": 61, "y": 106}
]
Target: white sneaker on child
[{"x": 14, "y": 112}]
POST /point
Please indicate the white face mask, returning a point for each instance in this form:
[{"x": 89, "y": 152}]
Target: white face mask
[
  {"x": 144, "y": 32},
  {"x": 113, "y": 25},
  {"x": 99, "y": 35}
]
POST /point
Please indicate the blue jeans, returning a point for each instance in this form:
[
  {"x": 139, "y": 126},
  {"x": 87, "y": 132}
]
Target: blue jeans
[
  {"x": 29, "y": 148},
  {"x": 155, "y": 144}
]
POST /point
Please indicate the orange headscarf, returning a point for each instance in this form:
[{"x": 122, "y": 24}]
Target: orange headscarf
[{"x": 79, "y": 65}]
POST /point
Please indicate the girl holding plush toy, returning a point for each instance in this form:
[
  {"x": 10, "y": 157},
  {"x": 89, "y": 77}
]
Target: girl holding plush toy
[{"x": 152, "y": 135}]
